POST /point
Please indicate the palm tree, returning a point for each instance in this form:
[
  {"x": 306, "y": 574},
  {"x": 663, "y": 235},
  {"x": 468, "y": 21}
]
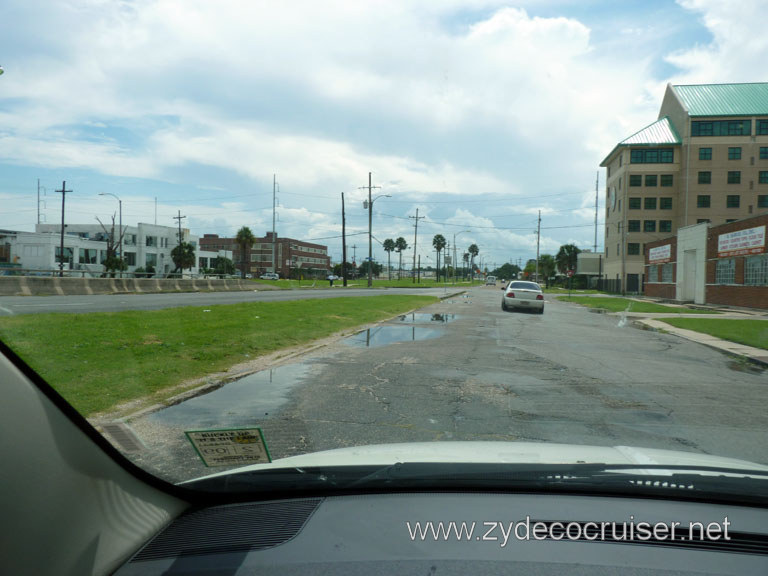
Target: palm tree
[
  {"x": 566, "y": 257},
  {"x": 400, "y": 245},
  {"x": 547, "y": 267},
  {"x": 245, "y": 240},
  {"x": 438, "y": 243},
  {"x": 389, "y": 246},
  {"x": 465, "y": 258},
  {"x": 473, "y": 252}
]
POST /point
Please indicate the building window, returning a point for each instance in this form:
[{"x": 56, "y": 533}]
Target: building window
[
  {"x": 68, "y": 254},
  {"x": 635, "y": 203},
  {"x": 665, "y": 225},
  {"x": 703, "y": 201},
  {"x": 762, "y": 127},
  {"x": 88, "y": 255},
  {"x": 649, "y": 226},
  {"x": 666, "y": 180},
  {"x": 756, "y": 270},
  {"x": 653, "y": 273},
  {"x": 762, "y": 201},
  {"x": 151, "y": 260},
  {"x": 651, "y": 180},
  {"x": 151, "y": 241},
  {"x": 665, "y": 203},
  {"x": 633, "y": 248},
  {"x": 722, "y": 128},
  {"x": 734, "y": 177},
  {"x": 652, "y": 156},
  {"x": 725, "y": 271},
  {"x": 666, "y": 273},
  {"x": 763, "y": 178},
  {"x": 635, "y": 180},
  {"x": 650, "y": 204},
  {"x": 734, "y": 153},
  {"x": 763, "y": 152},
  {"x": 705, "y": 177},
  {"x": 617, "y": 249},
  {"x": 633, "y": 225},
  {"x": 705, "y": 153},
  {"x": 702, "y": 220},
  {"x": 732, "y": 201},
  {"x": 130, "y": 258}
]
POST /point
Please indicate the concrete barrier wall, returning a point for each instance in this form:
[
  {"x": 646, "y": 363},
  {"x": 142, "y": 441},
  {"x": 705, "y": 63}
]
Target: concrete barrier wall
[{"x": 48, "y": 286}]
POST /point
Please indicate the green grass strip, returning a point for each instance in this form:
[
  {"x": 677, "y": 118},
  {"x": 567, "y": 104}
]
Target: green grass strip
[
  {"x": 749, "y": 332},
  {"x": 621, "y": 304},
  {"x": 99, "y": 360}
]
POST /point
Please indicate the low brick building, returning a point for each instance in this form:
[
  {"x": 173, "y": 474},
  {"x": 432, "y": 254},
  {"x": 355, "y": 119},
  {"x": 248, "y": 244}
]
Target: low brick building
[{"x": 725, "y": 264}]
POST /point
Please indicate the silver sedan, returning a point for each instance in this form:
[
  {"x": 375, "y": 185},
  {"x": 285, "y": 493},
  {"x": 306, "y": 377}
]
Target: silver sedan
[{"x": 524, "y": 295}]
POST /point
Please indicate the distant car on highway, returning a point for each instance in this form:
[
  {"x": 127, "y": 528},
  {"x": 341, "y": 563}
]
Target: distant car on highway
[
  {"x": 270, "y": 276},
  {"x": 490, "y": 281},
  {"x": 525, "y": 295}
]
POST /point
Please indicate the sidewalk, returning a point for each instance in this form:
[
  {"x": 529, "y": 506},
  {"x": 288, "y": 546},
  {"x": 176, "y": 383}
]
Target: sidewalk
[{"x": 653, "y": 320}]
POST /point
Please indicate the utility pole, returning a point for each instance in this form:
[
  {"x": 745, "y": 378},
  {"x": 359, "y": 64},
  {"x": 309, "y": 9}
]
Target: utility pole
[
  {"x": 415, "y": 237},
  {"x": 597, "y": 183},
  {"x": 369, "y": 205},
  {"x": 343, "y": 242},
  {"x": 63, "y": 193},
  {"x": 274, "y": 239},
  {"x": 181, "y": 237},
  {"x": 538, "y": 237}
]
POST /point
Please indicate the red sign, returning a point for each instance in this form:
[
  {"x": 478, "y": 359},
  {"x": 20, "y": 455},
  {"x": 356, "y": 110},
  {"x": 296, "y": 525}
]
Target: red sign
[{"x": 570, "y": 273}]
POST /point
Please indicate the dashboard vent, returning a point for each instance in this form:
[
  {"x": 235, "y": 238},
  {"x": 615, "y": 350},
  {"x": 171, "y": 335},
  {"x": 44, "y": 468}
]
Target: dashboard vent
[{"x": 230, "y": 528}]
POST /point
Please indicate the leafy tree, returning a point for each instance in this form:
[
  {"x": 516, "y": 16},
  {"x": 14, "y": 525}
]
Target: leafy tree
[
  {"x": 351, "y": 269},
  {"x": 507, "y": 271},
  {"x": 183, "y": 256},
  {"x": 245, "y": 240},
  {"x": 438, "y": 243},
  {"x": 224, "y": 266},
  {"x": 400, "y": 245},
  {"x": 363, "y": 270},
  {"x": 389, "y": 246},
  {"x": 473, "y": 252},
  {"x": 547, "y": 265},
  {"x": 566, "y": 257}
]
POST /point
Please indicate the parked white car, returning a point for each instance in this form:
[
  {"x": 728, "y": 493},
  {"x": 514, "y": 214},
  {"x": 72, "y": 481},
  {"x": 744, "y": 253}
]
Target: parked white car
[
  {"x": 270, "y": 276},
  {"x": 525, "y": 295}
]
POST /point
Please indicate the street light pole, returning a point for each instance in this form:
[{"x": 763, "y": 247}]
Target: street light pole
[
  {"x": 454, "y": 253},
  {"x": 369, "y": 205}
]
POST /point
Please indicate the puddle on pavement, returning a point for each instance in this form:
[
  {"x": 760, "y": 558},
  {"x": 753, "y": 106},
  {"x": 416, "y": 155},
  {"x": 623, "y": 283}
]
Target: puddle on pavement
[
  {"x": 384, "y": 335},
  {"x": 237, "y": 403},
  {"x": 423, "y": 318}
]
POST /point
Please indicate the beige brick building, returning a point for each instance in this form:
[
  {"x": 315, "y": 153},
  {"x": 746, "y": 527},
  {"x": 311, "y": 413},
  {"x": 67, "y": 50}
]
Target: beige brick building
[{"x": 704, "y": 160}]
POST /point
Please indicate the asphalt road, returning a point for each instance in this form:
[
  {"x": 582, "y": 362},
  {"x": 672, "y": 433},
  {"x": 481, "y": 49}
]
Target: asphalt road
[
  {"x": 568, "y": 376},
  {"x": 11, "y": 305}
]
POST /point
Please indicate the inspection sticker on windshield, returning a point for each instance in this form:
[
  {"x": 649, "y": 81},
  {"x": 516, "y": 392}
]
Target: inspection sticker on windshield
[{"x": 232, "y": 447}]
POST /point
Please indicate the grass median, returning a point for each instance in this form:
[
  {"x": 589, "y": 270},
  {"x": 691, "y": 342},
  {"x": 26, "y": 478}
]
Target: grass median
[
  {"x": 625, "y": 304},
  {"x": 744, "y": 331},
  {"x": 99, "y": 360}
]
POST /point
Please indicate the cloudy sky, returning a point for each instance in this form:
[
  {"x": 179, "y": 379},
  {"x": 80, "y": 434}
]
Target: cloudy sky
[{"x": 480, "y": 113}]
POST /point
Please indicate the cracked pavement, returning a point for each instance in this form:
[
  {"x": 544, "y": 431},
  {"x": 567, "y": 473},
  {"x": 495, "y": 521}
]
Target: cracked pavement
[{"x": 567, "y": 376}]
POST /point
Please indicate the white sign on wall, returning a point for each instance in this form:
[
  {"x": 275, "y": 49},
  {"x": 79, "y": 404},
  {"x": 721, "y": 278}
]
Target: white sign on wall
[
  {"x": 740, "y": 242},
  {"x": 660, "y": 254}
]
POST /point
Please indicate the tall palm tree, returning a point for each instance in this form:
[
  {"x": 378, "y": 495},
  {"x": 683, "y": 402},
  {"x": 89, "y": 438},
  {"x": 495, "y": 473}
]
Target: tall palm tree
[
  {"x": 473, "y": 252},
  {"x": 400, "y": 245},
  {"x": 438, "y": 243},
  {"x": 245, "y": 240},
  {"x": 389, "y": 246}
]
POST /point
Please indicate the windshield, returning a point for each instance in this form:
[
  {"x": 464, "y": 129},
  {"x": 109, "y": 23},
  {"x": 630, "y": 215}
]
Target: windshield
[{"x": 245, "y": 234}]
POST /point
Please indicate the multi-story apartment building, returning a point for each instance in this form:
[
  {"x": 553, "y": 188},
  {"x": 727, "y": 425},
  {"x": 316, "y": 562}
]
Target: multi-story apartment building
[
  {"x": 292, "y": 256},
  {"x": 704, "y": 160}
]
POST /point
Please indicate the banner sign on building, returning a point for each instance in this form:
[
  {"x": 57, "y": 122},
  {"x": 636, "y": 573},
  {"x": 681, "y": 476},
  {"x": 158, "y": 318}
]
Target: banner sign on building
[
  {"x": 660, "y": 254},
  {"x": 740, "y": 242}
]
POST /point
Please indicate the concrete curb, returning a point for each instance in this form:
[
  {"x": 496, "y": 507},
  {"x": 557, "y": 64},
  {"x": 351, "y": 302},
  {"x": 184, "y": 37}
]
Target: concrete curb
[{"x": 755, "y": 355}]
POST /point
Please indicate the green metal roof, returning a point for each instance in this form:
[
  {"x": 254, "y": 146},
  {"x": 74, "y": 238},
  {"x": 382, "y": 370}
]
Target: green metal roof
[
  {"x": 661, "y": 132},
  {"x": 724, "y": 99}
]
